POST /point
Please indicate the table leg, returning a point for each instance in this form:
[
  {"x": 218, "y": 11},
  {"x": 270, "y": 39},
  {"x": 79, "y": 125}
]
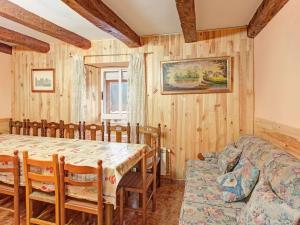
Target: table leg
[{"x": 109, "y": 210}]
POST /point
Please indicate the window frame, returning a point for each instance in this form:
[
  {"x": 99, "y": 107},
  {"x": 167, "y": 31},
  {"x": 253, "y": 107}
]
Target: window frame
[{"x": 121, "y": 115}]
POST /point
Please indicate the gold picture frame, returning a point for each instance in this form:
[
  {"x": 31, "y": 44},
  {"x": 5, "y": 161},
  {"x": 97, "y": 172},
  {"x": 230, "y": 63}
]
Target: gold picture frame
[{"x": 197, "y": 76}]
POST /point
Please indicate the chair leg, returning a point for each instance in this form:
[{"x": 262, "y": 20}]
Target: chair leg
[
  {"x": 144, "y": 207},
  {"x": 158, "y": 172},
  {"x": 121, "y": 206},
  {"x": 154, "y": 197},
  {"x": 28, "y": 210},
  {"x": 16, "y": 209}
]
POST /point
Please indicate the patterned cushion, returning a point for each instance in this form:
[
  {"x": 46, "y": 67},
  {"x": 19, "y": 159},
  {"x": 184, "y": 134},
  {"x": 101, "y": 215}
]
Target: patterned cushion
[
  {"x": 202, "y": 214},
  {"x": 238, "y": 184},
  {"x": 211, "y": 157},
  {"x": 228, "y": 158},
  {"x": 265, "y": 207}
]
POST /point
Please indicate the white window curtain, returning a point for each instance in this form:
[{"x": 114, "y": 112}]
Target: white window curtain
[
  {"x": 137, "y": 89},
  {"x": 78, "y": 90}
]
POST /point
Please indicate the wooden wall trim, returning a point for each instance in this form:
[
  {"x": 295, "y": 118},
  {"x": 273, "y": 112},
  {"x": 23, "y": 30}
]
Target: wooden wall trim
[
  {"x": 5, "y": 49},
  {"x": 281, "y": 135}
]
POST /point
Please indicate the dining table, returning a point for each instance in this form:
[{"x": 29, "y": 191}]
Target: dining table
[{"x": 117, "y": 160}]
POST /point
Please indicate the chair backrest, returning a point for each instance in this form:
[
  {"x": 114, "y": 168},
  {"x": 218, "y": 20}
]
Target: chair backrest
[
  {"x": 70, "y": 130},
  {"x": 53, "y": 127},
  {"x": 67, "y": 171},
  {"x": 149, "y": 164},
  {"x": 151, "y": 136},
  {"x": 36, "y": 127},
  {"x": 93, "y": 129},
  {"x": 118, "y": 130},
  {"x": 39, "y": 165},
  {"x": 16, "y": 126},
  {"x": 12, "y": 168}
]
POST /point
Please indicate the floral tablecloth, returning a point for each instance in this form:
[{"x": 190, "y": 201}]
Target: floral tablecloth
[{"x": 118, "y": 158}]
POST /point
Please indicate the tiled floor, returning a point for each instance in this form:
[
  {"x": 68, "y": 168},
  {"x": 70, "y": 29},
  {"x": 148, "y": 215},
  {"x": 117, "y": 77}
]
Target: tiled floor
[{"x": 169, "y": 198}]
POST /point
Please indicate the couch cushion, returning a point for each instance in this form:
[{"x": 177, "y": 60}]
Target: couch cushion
[
  {"x": 228, "y": 158},
  {"x": 283, "y": 173},
  {"x": 201, "y": 185},
  {"x": 265, "y": 207},
  {"x": 238, "y": 184},
  {"x": 203, "y": 214}
]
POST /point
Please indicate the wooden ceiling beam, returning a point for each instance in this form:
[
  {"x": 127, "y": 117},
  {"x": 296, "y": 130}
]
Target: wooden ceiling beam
[
  {"x": 5, "y": 49},
  {"x": 16, "y": 13},
  {"x": 107, "y": 20},
  {"x": 187, "y": 15},
  {"x": 264, "y": 14},
  {"x": 24, "y": 40}
]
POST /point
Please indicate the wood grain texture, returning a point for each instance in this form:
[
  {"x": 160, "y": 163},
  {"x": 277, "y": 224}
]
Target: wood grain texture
[
  {"x": 281, "y": 135},
  {"x": 24, "y": 40},
  {"x": 264, "y": 14},
  {"x": 104, "y": 18},
  {"x": 187, "y": 15},
  {"x": 5, "y": 49},
  {"x": 16, "y": 13},
  {"x": 4, "y": 126},
  {"x": 190, "y": 123}
]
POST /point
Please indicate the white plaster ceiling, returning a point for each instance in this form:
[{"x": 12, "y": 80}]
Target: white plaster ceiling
[{"x": 145, "y": 17}]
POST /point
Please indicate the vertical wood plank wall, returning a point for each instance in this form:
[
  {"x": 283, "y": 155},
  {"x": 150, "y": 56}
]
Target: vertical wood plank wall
[{"x": 191, "y": 123}]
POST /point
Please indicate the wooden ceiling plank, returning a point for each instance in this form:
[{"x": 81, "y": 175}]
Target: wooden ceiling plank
[
  {"x": 5, "y": 48},
  {"x": 187, "y": 15},
  {"x": 16, "y": 13},
  {"x": 107, "y": 20},
  {"x": 264, "y": 14},
  {"x": 24, "y": 40}
]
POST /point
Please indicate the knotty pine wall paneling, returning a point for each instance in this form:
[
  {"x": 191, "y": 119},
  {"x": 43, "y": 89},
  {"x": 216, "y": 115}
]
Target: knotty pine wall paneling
[{"x": 191, "y": 123}]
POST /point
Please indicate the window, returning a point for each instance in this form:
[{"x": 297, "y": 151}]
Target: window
[{"x": 114, "y": 94}]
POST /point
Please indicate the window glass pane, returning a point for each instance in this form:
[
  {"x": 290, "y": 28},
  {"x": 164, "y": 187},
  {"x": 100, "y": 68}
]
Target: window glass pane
[
  {"x": 113, "y": 97},
  {"x": 124, "y": 96}
]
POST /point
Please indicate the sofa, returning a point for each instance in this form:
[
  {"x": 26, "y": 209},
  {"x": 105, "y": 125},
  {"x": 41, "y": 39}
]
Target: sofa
[{"x": 203, "y": 204}]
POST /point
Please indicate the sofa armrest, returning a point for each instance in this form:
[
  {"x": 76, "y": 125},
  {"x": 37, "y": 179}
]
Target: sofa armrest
[{"x": 200, "y": 156}]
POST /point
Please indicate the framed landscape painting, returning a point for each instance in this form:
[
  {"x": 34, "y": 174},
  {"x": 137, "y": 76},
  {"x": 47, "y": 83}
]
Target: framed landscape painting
[
  {"x": 196, "y": 76},
  {"x": 43, "y": 80}
]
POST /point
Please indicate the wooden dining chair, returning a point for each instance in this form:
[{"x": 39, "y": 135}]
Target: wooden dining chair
[
  {"x": 11, "y": 190},
  {"x": 141, "y": 183},
  {"x": 15, "y": 127},
  {"x": 53, "y": 127},
  {"x": 151, "y": 136},
  {"x": 93, "y": 129},
  {"x": 34, "y": 128},
  {"x": 118, "y": 130},
  {"x": 38, "y": 195},
  {"x": 67, "y": 171},
  {"x": 71, "y": 129}
]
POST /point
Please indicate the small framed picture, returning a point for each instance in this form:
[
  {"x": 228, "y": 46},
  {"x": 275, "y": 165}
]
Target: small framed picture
[{"x": 43, "y": 80}]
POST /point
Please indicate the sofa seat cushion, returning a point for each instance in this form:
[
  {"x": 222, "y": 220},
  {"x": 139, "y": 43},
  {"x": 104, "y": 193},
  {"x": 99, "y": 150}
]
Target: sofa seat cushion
[
  {"x": 265, "y": 207},
  {"x": 203, "y": 214},
  {"x": 201, "y": 185}
]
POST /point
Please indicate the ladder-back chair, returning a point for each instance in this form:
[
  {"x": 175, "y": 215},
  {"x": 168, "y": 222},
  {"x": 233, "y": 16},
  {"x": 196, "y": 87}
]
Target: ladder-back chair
[
  {"x": 118, "y": 130},
  {"x": 93, "y": 129},
  {"x": 53, "y": 127},
  {"x": 40, "y": 196},
  {"x": 15, "y": 127},
  {"x": 151, "y": 136},
  {"x": 66, "y": 202},
  {"x": 141, "y": 183},
  {"x": 11, "y": 190},
  {"x": 71, "y": 129},
  {"x": 34, "y": 128}
]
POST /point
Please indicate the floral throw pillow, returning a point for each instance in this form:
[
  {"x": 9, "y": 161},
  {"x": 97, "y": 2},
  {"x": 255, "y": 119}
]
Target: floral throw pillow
[
  {"x": 238, "y": 184},
  {"x": 228, "y": 158},
  {"x": 265, "y": 207}
]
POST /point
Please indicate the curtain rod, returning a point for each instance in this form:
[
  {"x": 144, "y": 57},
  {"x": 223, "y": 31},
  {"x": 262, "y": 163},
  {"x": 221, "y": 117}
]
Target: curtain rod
[{"x": 86, "y": 56}]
